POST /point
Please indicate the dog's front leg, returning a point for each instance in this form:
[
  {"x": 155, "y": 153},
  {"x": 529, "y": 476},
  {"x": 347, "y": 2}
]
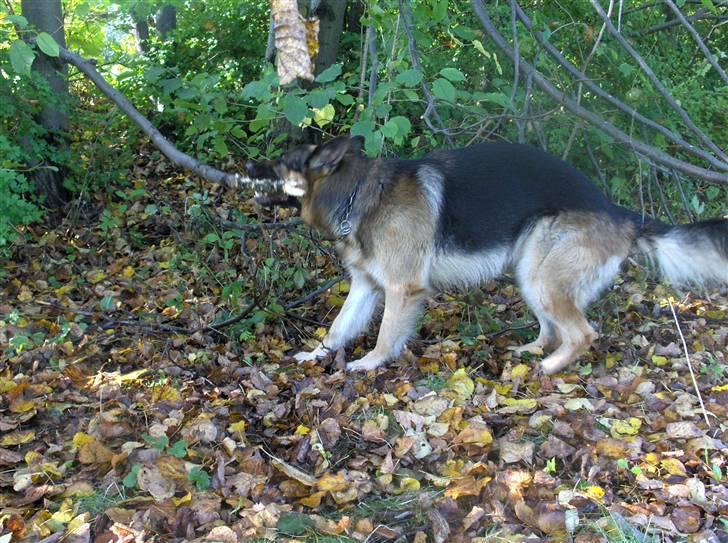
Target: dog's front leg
[
  {"x": 353, "y": 318},
  {"x": 401, "y": 309}
]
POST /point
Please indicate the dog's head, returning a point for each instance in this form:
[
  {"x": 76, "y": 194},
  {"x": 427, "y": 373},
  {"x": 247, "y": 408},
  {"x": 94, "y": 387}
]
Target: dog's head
[{"x": 302, "y": 167}]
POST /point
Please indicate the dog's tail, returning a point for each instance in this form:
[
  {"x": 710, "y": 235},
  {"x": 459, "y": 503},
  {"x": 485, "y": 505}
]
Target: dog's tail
[{"x": 688, "y": 254}]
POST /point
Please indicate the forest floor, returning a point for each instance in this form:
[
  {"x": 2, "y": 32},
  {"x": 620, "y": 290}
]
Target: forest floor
[{"x": 130, "y": 412}]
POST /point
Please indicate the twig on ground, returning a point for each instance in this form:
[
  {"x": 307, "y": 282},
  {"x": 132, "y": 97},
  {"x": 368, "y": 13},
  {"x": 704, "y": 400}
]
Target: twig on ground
[
  {"x": 690, "y": 366},
  {"x": 311, "y": 295}
]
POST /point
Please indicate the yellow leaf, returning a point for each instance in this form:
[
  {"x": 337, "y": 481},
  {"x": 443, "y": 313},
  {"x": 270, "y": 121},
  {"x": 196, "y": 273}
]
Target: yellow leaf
[
  {"x": 19, "y": 437},
  {"x": 522, "y": 405},
  {"x": 409, "y": 484},
  {"x": 673, "y": 466},
  {"x": 236, "y": 427},
  {"x": 302, "y": 430},
  {"x": 25, "y": 294},
  {"x": 128, "y": 272},
  {"x": 314, "y": 500},
  {"x": 81, "y": 439},
  {"x": 95, "y": 276},
  {"x": 22, "y": 406},
  {"x": 461, "y": 384},
  {"x": 184, "y": 500},
  {"x": 658, "y": 360},
  {"x": 596, "y": 493},
  {"x": 629, "y": 427},
  {"x": 332, "y": 483},
  {"x": 475, "y": 433},
  {"x": 520, "y": 371},
  {"x": 64, "y": 513}
]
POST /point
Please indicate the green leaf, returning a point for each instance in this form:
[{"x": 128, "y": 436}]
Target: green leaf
[
  {"x": 19, "y": 20},
  {"x": 130, "y": 481},
  {"x": 82, "y": 9},
  {"x": 47, "y": 44},
  {"x": 21, "y": 57},
  {"x": 221, "y": 147},
  {"x": 396, "y": 128},
  {"x": 324, "y": 116},
  {"x": 453, "y": 74},
  {"x": 179, "y": 449},
  {"x": 479, "y": 47},
  {"x": 200, "y": 478},
  {"x": 711, "y": 7},
  {"x": 329, "y": 74},
  {"x": 158, "y": 443},
  {"x": 294, "y": 109},
  {"x": 443, "y": 89},
  {"x": 294, "y": 524},
  {"x": 362, "y": 128},
  {"x": 258, "y": 90},
  {"x": 390, "y": 129},
  {"x": 409, "y": 78}
]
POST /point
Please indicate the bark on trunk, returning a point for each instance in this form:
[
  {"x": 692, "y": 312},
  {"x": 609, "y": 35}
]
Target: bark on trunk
[
  {"x": 47, "y": 16},
  {"x": 141, "y": 34},
  {"x": 166, "y": 20},
  {"x": 331, "y": 15}
]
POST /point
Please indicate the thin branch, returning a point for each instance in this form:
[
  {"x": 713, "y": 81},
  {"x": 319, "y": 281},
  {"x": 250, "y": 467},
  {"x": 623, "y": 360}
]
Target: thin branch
[
  {"x": 177, "y": 157},
  {"x": 373, "y": 71},
  {"x": 640, "y": 147},
  {"x": 404, "y": 8},
  {"x": 311, "y": 295},
  {"x": 656, "y": 82},
  {"x": 696, "y": 37},
  {"x": 627, "y": 110},
  {"x": 690, "y": 366},
  {"x": 283, "y": 225},
  {"x": 700, "y": 16}
]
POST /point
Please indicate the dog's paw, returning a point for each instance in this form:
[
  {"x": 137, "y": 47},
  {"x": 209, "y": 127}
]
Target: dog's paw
[
  {"x": 365, "y": 364},
  {"x": 317, "y": 354}
]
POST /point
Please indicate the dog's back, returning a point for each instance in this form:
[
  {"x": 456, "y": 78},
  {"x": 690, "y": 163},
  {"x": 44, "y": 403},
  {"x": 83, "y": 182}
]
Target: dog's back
[{"x": 492, "y": 191}]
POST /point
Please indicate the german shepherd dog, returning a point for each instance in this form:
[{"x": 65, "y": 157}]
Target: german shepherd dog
[{"x": 404, "y": 228}]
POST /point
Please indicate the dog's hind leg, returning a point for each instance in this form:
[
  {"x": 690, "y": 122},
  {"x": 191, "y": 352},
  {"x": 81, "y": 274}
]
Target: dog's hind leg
[
  {"x": 401, "y": 308},
  {"x": 563, "y": 264},
  {"x": 353, "y": 318}
]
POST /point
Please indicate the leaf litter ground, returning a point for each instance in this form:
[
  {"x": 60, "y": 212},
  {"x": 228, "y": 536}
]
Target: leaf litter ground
[{"x": 129, "y": 413}]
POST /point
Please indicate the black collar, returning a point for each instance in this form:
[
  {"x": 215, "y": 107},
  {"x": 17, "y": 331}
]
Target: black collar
[{"x": 342, "y": 216}]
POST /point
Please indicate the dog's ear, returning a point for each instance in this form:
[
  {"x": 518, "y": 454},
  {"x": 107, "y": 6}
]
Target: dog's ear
[{"x": 326, "y": 158}]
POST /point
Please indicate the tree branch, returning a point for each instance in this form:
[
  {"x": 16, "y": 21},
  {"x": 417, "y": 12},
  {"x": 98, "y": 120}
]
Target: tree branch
[
  {"x": 177, "y": 157},
  {"x": 404, "y": 8},
  {"x": 658, "y": 156},
  {"x": 624, "y": 108},
  {"x": 656, "y": 82},
  {"x": 674, "y": 22},
  {"x": 694, "y": 33}
]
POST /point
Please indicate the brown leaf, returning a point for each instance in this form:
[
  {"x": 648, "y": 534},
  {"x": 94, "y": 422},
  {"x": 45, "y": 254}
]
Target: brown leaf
[
  {"x": 683, "y": 430},
  {"x": 511, "y": 451},
  {"x": 151, "y": 480},
  {"x": 8, "y": 457},
  {"x": 686, "y": 518},
  {"x": 440, "y": 526}
]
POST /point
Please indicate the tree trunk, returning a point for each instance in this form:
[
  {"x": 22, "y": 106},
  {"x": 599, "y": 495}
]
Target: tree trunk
[
  {"x": 166, "y": 20},
  {"x": 331, "y": 15},
  {"x": 47, "y": 16},
  {"x": 141, "y": 33}
]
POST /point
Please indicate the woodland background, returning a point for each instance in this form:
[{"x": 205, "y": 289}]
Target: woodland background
[{"x": 147, "y": 314}]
